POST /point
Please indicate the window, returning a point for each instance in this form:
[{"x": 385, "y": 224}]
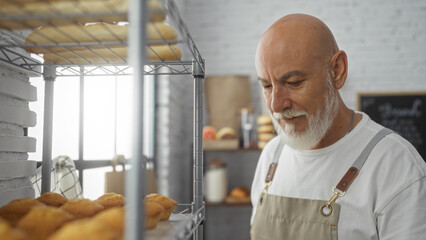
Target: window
[{"x": 107, "y": 125}]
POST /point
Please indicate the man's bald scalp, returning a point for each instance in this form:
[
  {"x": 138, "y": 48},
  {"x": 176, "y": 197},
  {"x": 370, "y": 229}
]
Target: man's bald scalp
[{"x": 297, "y": 29}]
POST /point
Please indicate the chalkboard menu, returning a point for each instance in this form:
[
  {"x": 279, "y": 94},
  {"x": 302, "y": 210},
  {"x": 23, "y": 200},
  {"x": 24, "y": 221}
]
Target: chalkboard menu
[{"x": 405, "y": 113}]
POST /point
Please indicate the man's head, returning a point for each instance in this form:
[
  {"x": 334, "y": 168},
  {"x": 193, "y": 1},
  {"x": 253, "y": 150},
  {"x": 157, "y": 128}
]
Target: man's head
[{"x": 300, "y": 69}]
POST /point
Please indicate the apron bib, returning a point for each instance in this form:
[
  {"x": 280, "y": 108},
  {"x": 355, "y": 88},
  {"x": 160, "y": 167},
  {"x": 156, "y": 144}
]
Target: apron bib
[
  {"x": 284, "y": 218},
  {"x": 293, "y": 218}
]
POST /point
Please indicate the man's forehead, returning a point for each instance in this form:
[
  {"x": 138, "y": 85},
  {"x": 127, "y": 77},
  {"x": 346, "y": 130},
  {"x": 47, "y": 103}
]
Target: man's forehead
[
  {"x": 295, "y": 36},
  {"x": 284, "y": 76}
]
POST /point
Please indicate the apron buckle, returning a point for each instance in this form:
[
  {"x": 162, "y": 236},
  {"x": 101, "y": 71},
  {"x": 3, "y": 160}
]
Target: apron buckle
[
  {"x": 326, "y": 209},
  {"x": 267, "y": 184},
  {"x": 265, "y": 189}
]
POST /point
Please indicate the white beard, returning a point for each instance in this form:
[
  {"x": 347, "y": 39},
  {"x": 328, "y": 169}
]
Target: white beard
[{"x": 318, "y": 124}]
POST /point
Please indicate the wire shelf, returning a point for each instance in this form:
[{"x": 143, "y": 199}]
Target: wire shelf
[
  {"x": 62, "y": 54},
  {"x": 98, "y": 57},
  {"x": 180, "y": 226}
]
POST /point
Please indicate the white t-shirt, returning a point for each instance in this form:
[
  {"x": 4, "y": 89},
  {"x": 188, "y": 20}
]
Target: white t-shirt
[{"x": 387, "y": 200}]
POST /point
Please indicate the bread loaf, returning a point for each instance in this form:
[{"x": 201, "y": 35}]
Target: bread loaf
[
  {"x": 239, "y": 192},
  {"x": 226, "y": 133},
  {"x": 82, "y": 208},
  {"x": 52, "y": 199},
  {"x": 84, "y": 229},
  {"x": 264, "y": 119},
  {"x": 266, "y": 136},
  {"x": 167, "y": 203},
  {"x": 111, "y": 200},
  {"x": 111, "y": 54},
  {"x": 18, "y": 208},
  {"x": 265, "y": 129},
  {"x": 95, "y": 33},
  {"x": 67, "y": 52},
  {"x": 41, "y": 222},
  {"x": 9, "y": 233},
  {"x": 70, "y": 11},
  {"x": 164, "y": 53},
  {"x": 153, "y": 213},
  {"x": 114, "y": 219}
]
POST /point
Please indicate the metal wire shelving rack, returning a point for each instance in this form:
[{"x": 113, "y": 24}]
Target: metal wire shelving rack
[{"x": 187, "y": 222}]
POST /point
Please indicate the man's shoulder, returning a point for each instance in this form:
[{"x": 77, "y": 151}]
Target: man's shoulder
[{"x": 393, "y": 148}]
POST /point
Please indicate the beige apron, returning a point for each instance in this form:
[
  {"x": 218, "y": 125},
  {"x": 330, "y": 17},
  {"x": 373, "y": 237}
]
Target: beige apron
[{"x": 280, "y": 217}]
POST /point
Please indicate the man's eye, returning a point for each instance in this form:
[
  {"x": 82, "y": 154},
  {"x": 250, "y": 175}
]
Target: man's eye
[
  {"x": 266, "y": 87},
  {"x": 295, "y": 83}
]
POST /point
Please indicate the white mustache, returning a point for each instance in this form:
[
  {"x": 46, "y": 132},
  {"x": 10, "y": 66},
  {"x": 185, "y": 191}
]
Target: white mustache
[{"x": 289, "y": 114}]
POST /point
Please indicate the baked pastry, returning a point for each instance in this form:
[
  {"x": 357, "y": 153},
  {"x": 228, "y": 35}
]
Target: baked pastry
[
  {"x": 114, "y": 219},
  {"x": 264, "y": 119},
  {"x": 16, "y": 209},
  {"x": 153, "y": 213},
  {"x": 110, "y": 200},
  {"x": 100, "y": 32},
  {"x": 265, "y": 129},
  {"x": 266, "y": 136},
  {"x": 7, "y": 232},
  {"x": 261, "y": 144},
  {"x": 112, "y": 54},
  {"x": 226, "y": 133},
  {"x": 164, "y": 52},
  {"x": 168, "y": 204},
  {"x": 43, "y": 221},
  {"x": 70, "y": 11},
  {"x": 84, "y": 229},
  {"x": 52, "y": 199},
  {"x": 239, "y": 192},
  {"x": 82, "y": 208}
]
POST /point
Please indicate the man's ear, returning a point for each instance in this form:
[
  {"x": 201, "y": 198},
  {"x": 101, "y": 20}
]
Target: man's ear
[{"x": 339, "y": 69}]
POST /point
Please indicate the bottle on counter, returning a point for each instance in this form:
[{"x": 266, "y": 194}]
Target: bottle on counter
[
  {"x": 216, "y": 181},
  {"x": 247, "y": 125}
]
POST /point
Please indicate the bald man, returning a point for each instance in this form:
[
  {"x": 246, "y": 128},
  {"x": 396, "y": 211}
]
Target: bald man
[{"x": 331, "y": 173}]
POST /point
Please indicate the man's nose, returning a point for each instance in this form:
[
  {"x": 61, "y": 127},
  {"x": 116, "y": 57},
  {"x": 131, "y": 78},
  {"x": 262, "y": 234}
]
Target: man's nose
[{"x": 280, "y": 100}]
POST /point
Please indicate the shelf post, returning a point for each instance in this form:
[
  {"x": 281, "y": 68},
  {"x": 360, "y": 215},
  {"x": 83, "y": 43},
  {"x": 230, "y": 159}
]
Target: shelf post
[
  {"x": 81, "y": 127},
  {"x": 49, "y": 76},
  {"x": 198, "y": 75},
  {"x": 135, "y": 179}
]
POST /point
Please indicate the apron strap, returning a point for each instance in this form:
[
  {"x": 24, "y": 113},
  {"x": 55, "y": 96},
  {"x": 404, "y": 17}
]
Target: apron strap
[
  {"x": 353, "y": 171},
  {"x": 273, "y": 165},
  {"x": 350, "y": 175}
]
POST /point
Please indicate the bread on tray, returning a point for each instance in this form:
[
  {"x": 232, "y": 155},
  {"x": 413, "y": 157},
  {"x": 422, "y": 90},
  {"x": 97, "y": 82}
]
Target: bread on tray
[
  {"x": 25, "y": 14},
  {"x": 84, "y": 229},
  {"x": 52, "y": 199},
  {"x": 168, "y": 204},
  {"x": 153, "y": 213},
  {"x": 103, "y": 218},
  {"x": 82, "y": 208},
  {"x": 112, "y": 54},
  {"x": 94, "y": 33},
  {"x": 110, "y": 200},
  {"x": 114, "y": 219},
  {"x": 98, "y": 43},
  {"x": 43, "y": 221},
  {"x": 17, "y": 209}
]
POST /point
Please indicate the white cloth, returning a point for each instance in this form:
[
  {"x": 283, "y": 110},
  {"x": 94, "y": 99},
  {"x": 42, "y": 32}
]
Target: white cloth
[
  {"x": 386, "y": 201},
  {"x": 64, "y": 178}
]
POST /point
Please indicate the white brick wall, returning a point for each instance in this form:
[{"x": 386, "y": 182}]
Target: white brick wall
[
  {"x": 384, "y": 39},
  {"x": 174, "y": 136}
]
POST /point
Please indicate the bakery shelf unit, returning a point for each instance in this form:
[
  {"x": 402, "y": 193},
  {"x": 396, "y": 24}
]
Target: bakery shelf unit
[{"x": 96, "y": 57}]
